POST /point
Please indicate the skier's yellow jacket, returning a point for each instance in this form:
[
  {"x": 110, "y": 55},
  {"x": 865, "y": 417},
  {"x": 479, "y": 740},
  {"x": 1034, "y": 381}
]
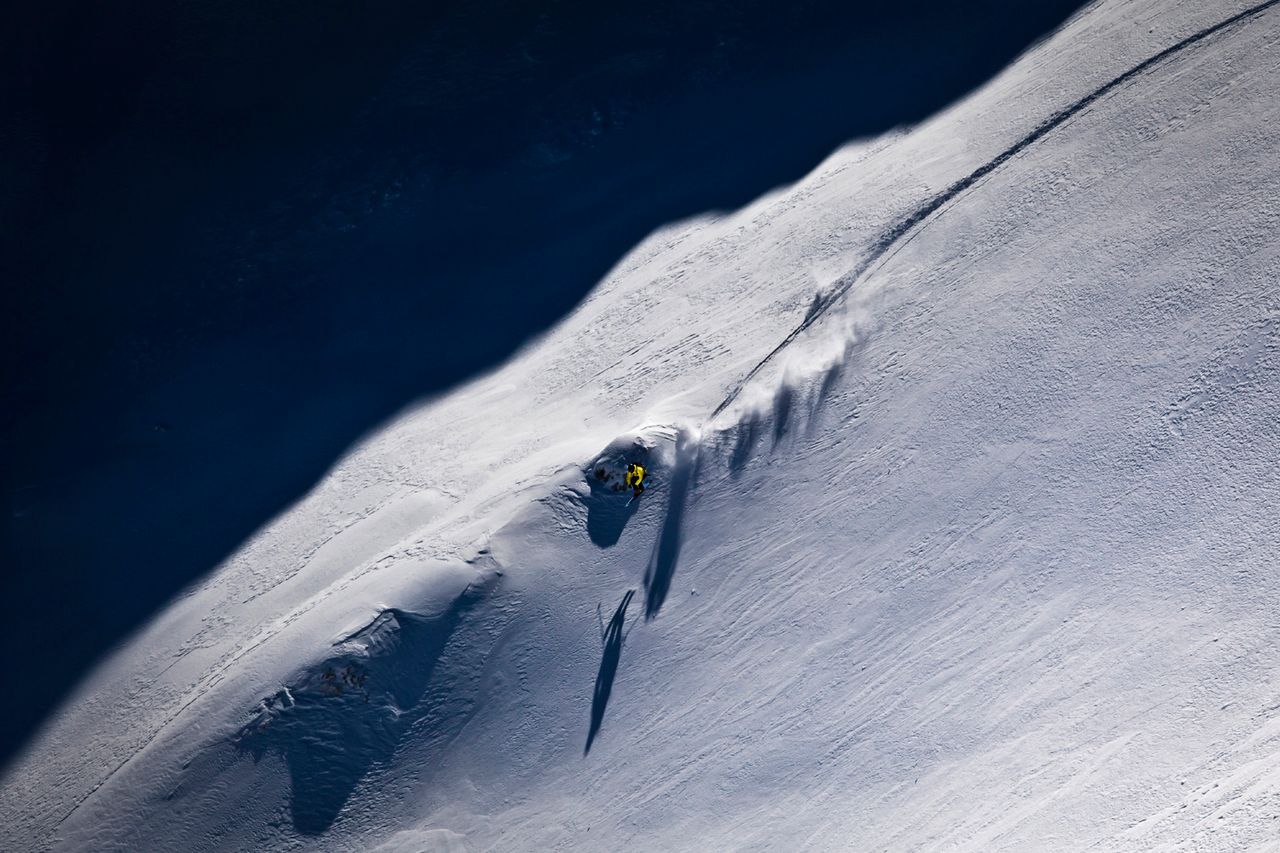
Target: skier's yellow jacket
[{"x": 635, "y": 476}]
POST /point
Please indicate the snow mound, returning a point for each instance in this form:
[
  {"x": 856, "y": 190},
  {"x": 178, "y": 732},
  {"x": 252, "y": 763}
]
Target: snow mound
[{"x": 338, "y": 719}]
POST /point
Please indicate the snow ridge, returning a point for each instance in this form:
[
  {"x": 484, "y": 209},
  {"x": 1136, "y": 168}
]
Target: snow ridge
[{"x": 893, "y": 240}]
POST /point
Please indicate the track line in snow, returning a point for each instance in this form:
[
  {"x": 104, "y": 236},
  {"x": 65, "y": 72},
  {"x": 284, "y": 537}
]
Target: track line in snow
[
  {"x": 882, "y": 249},
  {"x": 903, "y": 231}
]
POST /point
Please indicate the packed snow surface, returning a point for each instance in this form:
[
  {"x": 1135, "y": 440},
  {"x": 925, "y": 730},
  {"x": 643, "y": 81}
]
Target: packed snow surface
[{"x": 977, "y": 551}]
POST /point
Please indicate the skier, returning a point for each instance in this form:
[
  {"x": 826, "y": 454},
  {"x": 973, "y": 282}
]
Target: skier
[{"x": 635, "y": 479}]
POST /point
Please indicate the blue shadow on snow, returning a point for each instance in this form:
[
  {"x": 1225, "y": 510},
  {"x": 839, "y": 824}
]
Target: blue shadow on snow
[{"x": 240, "y": 236}]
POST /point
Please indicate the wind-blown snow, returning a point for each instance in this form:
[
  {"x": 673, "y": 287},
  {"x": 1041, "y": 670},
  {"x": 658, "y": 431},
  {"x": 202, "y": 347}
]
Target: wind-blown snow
[{"x": 984, "y": 558}]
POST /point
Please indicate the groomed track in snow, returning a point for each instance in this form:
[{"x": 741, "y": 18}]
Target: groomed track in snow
[
  {"x": 982, "y": 557},
  {"x": 904, "y": 229}
]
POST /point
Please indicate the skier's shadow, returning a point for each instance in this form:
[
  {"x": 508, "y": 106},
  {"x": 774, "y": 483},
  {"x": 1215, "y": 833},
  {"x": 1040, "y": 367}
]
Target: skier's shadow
[
  {"x": 610, "y": 504},
  {"x": 607, "y": 515},
  {"x": 608, "y": 668}
]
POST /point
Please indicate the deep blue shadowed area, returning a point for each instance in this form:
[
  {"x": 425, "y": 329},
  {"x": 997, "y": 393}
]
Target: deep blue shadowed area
[{"x": 238, "y": 236}]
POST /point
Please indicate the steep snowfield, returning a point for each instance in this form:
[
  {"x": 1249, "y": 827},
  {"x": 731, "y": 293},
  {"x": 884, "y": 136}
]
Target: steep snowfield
[{"x": 984, "y": 558}]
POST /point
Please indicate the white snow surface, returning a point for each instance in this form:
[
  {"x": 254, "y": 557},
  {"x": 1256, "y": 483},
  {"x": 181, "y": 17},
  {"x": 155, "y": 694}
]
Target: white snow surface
[{"x": 984, "y": 558}]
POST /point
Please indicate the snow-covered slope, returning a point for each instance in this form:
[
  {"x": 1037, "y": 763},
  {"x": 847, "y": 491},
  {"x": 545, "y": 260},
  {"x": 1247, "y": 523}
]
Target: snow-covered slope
[{"x": 983, "y": 558}]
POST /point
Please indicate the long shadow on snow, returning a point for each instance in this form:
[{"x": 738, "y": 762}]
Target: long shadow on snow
[
  {"x": 340, "y": 719},
  {"x": 747, "y": 432},
  {"x": 745, "y": 436},
  {"x": 666, "y": 551},
  {"x": 241, "y": 236},
  {"x": 902, "y": 231},
  {"x": 783, "y": 401},
  {"x": 608, "y": 669}
]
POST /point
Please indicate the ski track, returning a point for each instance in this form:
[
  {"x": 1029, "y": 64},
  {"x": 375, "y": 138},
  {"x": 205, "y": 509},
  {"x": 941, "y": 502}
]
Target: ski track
[
  {"x": 881, "y": 251},
  {"x": 227, "y": 663},
  {"x": 913, "y": 223}
]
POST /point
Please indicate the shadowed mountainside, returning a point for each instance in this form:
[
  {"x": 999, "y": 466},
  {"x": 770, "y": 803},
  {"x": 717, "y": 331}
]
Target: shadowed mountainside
[{"x": 238, "y": 238}]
